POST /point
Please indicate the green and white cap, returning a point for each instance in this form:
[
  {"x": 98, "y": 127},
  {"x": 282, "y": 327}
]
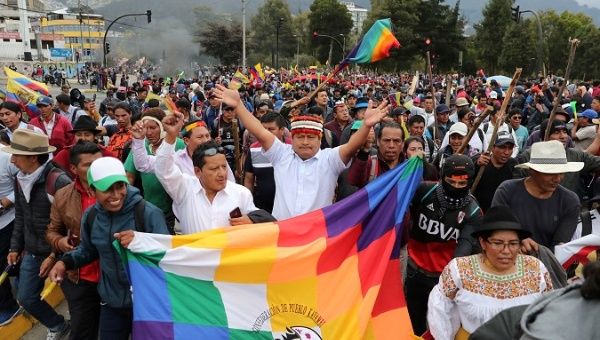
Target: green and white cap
[{"x": 105, "y": 172}]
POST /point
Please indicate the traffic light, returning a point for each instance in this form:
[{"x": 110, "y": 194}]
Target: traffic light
[
  {"x": 427, "y": 41},
  {"x": 107, "y": 48},
  {"x": 149, "y": 15},
  {"x": 515, "y": 13},
  {"x": 315, "y": 35}
]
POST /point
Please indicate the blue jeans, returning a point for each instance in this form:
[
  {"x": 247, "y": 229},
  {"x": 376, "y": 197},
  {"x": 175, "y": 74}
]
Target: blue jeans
[{"x": 28, "y": 293}]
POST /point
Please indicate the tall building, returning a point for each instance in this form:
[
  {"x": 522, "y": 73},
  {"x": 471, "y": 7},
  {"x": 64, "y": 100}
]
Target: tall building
[
  {"x": 359, "y": 15},
  {"x": 81, "y": 33},
  {"x": 32, "y": 5},
  {"x": 11, "y": 35}
]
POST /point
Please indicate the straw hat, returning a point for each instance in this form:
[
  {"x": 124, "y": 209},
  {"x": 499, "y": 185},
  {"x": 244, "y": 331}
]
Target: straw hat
[
  {"x": 28, "y": 142},
  {"x": 550, "y": 158}
]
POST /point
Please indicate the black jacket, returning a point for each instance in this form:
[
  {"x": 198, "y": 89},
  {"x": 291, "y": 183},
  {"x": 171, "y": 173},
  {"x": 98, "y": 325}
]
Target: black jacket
[{"x": 31, "y": 219}]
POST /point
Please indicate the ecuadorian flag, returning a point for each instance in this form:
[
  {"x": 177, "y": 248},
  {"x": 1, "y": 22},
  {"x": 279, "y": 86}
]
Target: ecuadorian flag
[{"x": 332, "y": 273}]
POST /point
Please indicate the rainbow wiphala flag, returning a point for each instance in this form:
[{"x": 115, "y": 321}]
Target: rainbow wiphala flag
[{"x": 333, "y": 273}]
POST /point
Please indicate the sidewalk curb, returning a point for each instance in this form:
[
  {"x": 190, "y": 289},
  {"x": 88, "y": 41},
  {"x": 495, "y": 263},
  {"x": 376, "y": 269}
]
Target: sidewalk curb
[{"x": 24, "y": 322}]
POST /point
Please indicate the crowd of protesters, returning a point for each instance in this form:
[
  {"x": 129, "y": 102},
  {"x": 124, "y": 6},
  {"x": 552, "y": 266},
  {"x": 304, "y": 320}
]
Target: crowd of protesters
[{"x": 226, "y": 152}]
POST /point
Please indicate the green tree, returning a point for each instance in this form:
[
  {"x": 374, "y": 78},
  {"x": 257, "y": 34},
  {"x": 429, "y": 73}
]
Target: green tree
[
  {"x": 221, "y": 41},
  {"x": 301, "y": 28},
  {"x": 519, "y": 48},
  {"x": 264, "y": 30},
  {"x": 332, "y": 18},
  {"x": 558, "y": 28},
  {"x": 413, "y": 22},
  {"x": 490, "y": 31},
  {"x": 444, "y": 27}
]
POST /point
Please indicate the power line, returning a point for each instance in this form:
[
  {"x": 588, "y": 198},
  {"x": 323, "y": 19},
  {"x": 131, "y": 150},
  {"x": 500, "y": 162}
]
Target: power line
[{"x": 43, "y": 12}]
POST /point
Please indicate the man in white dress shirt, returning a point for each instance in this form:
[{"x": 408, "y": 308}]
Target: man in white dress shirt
[
  {"x": 305, "y": 175},
  {"x": 207, "y": 200}
]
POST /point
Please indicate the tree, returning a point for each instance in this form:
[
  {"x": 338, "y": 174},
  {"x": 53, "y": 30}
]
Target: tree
[
  {"x": 220, "y": 41},
  {"x": 415, "y": 21},
  {"x": 264, "y": 29},
  {"x": 331, "y": 18},
  {"x": 490, "y": 31},
  {"x": 557, "y": 31},
  {"x": 444, "y": 27},
  {"x": 519, "y": 48}
]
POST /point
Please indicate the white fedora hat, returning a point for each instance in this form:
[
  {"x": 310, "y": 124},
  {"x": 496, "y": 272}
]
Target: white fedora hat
[{"x": 550, "y": 158}]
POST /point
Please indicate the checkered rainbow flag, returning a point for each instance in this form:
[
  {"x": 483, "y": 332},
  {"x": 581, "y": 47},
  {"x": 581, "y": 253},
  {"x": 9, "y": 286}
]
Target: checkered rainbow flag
[{"x": 332, "y": 273}]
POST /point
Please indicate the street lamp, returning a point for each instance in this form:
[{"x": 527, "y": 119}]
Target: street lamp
[
  {"x": 279, "y": 24},
  {"x": 317, "y": 35},
  {"x": 244, "y": 34},
  {"x": 297, "y": 48},
  {"x": 343, "y": 42},
  {"x": 148, "y": 15}
]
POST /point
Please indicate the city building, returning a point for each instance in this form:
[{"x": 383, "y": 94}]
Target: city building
[
  {"x": 83, "y": 34},
  {"x": 359, "y": 15},
  {"x": 11, "y": 38}
]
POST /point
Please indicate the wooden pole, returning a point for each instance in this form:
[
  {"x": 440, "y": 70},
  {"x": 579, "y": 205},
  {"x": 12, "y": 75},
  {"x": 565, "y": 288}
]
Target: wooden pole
[
  {"x": 498, "y": 122},
  {"x": 558, "y": 98},
  {"x": 448, "y": 89},
  {"x": 435, "y": 125},
  {"x": 476, "y": 124}
]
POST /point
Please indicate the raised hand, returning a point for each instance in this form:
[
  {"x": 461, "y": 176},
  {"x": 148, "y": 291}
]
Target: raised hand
[
  {"x": 138, "y": 130},
  {"x": 172, "y": 124},
  {"x": 375, "y": 115},
  {"x": 227, "y": 96}
]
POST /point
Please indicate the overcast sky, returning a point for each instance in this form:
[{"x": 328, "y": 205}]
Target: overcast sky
[{"x": 591, "y": 3}]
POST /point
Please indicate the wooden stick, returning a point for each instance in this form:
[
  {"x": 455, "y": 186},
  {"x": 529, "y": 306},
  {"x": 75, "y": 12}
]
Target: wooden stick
[
  {"x": 476, "y": 124},
  {"x": 236, "y": 150},
  {"x": 322, "y": 84},
  {"x": 498, "y": 122},
  {"x": 413, "y": 84},
  {"x": 558, "y": 98},
  {"x": 448, "y": 89},
  {"x": 435, "y": 125}
]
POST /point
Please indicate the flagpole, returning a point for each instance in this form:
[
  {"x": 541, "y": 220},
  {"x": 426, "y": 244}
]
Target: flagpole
[{"x": 435, "y": 124}]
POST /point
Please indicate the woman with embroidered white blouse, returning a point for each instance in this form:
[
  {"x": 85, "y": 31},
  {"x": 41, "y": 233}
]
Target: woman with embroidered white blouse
[{"x": 473, "y": 289}]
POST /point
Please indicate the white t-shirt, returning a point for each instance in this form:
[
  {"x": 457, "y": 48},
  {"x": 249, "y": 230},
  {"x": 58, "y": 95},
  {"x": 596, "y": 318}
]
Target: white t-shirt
[{"x": 303, "y": 185}]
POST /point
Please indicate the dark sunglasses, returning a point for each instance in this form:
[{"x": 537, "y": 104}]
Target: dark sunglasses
[
  {"x": 516, "y": 117},
  {"x": 211, "y": 151}
]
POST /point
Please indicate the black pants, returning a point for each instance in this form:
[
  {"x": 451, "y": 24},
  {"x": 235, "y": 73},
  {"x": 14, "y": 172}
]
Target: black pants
[
  {"x": 417, "y": 288},
  {"x": 84, "y": 308},
  {"x": 115, "y": 323},
  {"x": 7, "y": 300}
]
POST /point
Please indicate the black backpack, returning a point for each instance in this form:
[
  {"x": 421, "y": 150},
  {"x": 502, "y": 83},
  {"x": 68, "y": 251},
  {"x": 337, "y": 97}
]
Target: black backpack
[{"x": 138, "y": 217}]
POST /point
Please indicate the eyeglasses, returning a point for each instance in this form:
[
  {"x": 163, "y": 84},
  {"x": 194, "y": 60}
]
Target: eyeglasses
[
  {"x": 500, "y": 245},
  {"x": 211, "y": 151},
  {"x": 516, "y": 117}
]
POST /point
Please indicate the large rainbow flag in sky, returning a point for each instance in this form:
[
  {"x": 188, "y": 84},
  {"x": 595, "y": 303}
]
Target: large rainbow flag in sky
[
  {"x": 332, "y": 273},
  {"x": 375, "y": 45}
]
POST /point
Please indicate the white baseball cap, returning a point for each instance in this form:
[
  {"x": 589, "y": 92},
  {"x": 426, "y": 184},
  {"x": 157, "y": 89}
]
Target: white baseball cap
[
  {"x": 106, "y": 171},
  {"x": 460, "y": 128}
]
